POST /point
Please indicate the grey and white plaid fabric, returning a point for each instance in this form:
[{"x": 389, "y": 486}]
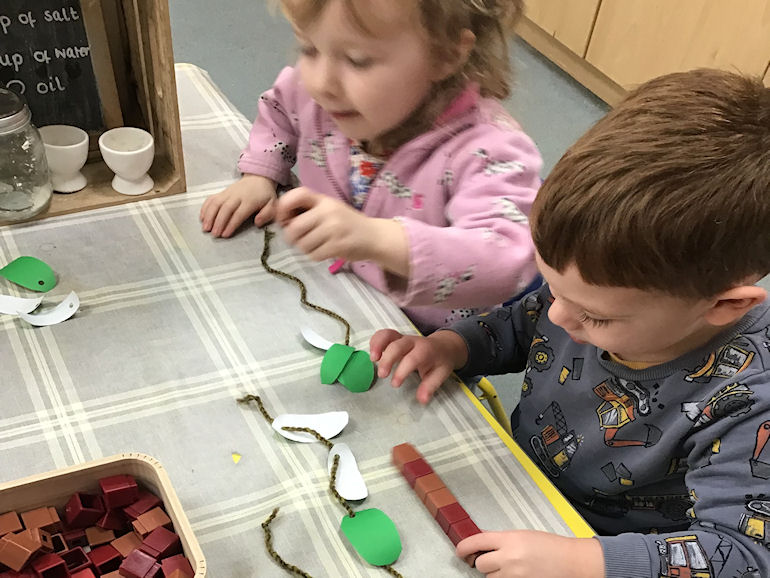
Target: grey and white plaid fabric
[{"x": 175, "y": 325}]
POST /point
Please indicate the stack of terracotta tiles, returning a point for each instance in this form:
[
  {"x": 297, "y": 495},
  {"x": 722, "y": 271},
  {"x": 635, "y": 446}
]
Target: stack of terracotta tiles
[
  {"x": 121, "y": 531},
  {"x": 442, "y": 505}
]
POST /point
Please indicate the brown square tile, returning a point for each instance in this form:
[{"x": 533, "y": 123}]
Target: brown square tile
[
  {"x": 439, "y": 499},
  {"x": 45, "y": 517},
  {"x": 97, "y": 535},
  {"x": 127, "y": 543},
  {"x": 427, "y": 484},
  {"x": 10, "y": 522},
  {"x": 403, "y": 454}
]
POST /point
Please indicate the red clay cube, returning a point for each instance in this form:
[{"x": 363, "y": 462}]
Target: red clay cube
[
  {"x": 449, "y": 515},
  {"x": 161, "y": 543},
  {"x": 138, "y": 564},
  {"x": 105, "y": 558},
  {"x": 119, "y": 491},
  {"x": 416, "y": 469},
  {"x": 178, "y": 564},
  {"x": 112, "y": 520},
  {"x": 83, "y": 510},
  {"x": 75, "y": 559},
  {"x": 73, "y": 538},
  {"x": 461, "y": 530},
  {"x": 144, "y": 503},
  {"x": 84, "y": 573},
  {"x": 50, "y": 566}
]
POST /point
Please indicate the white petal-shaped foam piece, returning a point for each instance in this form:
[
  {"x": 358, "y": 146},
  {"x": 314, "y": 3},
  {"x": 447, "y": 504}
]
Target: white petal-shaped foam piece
[
  {"x": 327, "y": 424},
  {"x": 349, "y": 482},
  {"x": 14, "y": 305},
  {"x": 61, "y": 312},
  {"x": 315, "y": 340}
]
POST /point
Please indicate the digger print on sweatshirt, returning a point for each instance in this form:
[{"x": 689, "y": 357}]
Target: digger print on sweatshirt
[{"x": 669, "y": 464}]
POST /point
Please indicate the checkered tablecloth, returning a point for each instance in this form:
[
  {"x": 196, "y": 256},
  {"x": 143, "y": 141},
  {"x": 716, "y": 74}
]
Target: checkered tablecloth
[{"x": 175, "y": 325}]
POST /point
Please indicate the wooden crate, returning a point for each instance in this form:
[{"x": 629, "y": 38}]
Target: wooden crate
[
  {"x": 55, "y": 488},
  {"x": 133, "y": 65}
]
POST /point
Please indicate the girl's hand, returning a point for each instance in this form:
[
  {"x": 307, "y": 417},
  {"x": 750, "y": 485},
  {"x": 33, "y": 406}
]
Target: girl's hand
[
  {"x": 433, "y": 358},
  {"x": 326, "y": 228},
  {"x": 223, "y": 213},
  {"x": 527, "y": 553}
]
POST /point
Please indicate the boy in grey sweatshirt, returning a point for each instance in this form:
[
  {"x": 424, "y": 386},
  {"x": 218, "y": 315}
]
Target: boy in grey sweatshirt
[{"x": 646, "y": 396}]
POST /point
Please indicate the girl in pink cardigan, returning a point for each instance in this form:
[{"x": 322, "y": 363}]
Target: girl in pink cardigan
[{"x": 412, "y": 172}]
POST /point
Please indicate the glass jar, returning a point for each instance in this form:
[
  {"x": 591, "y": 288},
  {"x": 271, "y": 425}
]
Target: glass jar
[{"x": 25, "y": 185}]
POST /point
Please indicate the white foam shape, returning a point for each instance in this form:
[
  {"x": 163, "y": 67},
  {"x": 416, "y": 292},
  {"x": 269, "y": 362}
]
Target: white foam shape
[
  {"x": 315, "y": 340},
  {"x": 61, "y": 312},
  {"x": 14, "y": 305},
  {"x": 327, "y": 424},
  {"x": 349, "y": 481}
]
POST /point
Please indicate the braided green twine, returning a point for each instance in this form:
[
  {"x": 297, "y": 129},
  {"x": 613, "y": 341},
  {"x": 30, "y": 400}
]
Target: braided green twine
[
  {"x": 302, "y": 289},
  {"x": 332, "y": 489}
]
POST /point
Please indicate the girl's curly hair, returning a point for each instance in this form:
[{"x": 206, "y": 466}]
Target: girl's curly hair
[{"x": 488, "y": 64}]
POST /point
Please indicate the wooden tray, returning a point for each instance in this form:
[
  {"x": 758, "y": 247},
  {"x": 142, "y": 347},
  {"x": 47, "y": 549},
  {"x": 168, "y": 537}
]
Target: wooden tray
[{"x": 55, "y": 488}]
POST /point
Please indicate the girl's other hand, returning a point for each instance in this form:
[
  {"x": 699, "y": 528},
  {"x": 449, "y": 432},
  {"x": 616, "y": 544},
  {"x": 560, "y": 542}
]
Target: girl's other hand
[
  {"x": 222, "y": 213},
  {"x": 433, "y": 358},
  {"x": 327, "y": 228},
  {"x": 323, "y": 227}
]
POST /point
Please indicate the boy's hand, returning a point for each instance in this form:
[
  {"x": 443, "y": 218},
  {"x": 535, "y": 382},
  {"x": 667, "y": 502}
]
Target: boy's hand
[
  {"x": 527, "y": 553},
  {"x": 433, "y": 358},
  {"x": 326, "y": 228},
  {"x": 223, "y": 213}
]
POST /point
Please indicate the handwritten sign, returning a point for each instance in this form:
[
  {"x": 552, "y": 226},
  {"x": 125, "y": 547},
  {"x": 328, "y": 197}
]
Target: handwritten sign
[{"x": 45, "y": 56}]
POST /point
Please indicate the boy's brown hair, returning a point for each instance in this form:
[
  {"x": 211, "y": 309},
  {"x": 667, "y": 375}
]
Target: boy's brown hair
[{"x": 668, "y": 192}]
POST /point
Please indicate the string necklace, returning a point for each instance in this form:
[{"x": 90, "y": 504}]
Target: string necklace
[{"x": 332, "y": 489}]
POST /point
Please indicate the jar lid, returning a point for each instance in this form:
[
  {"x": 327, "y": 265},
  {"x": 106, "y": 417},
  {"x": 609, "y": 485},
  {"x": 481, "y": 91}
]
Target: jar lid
[{"x": 14, "y": 113}]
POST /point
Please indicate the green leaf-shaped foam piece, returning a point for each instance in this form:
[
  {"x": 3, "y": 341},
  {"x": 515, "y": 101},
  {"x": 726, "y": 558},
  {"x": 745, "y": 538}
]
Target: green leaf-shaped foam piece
[
  {"x": 334, "y": 362},
  {"x": 30, "y": 273},
  {"x": 358, "y": 374},
  {"x": 373, "y": 535}
]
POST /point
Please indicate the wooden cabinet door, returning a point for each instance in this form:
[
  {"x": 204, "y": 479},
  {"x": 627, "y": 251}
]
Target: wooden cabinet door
[
  {"x": 568, "y": 22},
  {"x": 635, "y": 41}
]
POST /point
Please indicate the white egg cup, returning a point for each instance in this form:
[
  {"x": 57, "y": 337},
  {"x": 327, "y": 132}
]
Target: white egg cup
[
  {"x": 128, "y": 152},
  {"x": 66, "y": 148}
]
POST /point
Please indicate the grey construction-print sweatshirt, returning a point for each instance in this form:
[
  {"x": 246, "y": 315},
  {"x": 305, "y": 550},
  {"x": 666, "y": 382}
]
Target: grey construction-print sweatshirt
[{"x": 669, "y": 464}]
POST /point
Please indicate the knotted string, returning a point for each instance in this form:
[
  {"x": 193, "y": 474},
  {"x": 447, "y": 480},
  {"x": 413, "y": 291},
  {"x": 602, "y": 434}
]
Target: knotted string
[
  {"x": 302, "y": 289},
  {"x": 332, "y": 489}
]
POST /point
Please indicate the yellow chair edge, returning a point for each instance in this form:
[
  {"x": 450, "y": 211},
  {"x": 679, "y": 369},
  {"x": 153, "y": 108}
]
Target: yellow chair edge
[{"x": 572, "y": 518}]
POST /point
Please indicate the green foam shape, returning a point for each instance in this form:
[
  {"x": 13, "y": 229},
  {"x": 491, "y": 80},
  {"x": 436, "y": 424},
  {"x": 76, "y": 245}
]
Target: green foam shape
[
  {"x": 358, "y": 374},
  {"x": 334, "y": 362},
  {"x": 30, "y": 273},
  {"x": 373, "y": 535}
]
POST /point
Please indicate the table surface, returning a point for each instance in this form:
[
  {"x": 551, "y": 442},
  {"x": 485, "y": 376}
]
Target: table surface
[{"x": 175, "y": 325}]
